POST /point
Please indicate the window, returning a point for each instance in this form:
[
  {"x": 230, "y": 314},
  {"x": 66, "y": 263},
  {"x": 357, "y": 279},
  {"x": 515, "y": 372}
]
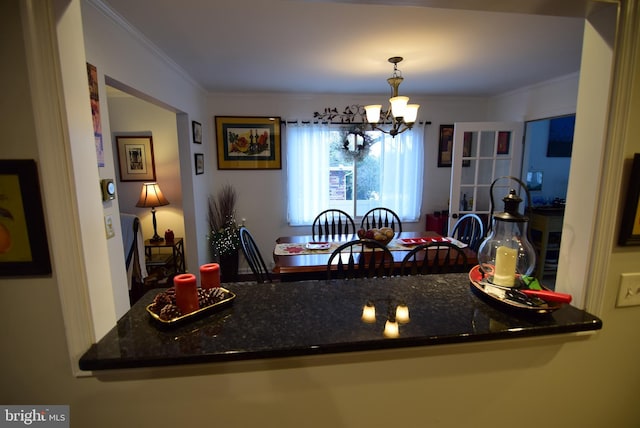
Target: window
[{"x": 321, "y": 174}]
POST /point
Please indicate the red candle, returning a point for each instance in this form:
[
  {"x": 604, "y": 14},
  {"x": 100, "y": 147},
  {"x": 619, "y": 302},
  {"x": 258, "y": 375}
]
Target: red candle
[
  {"x": 210, "y": 275},
  {"x": 186, "y": 286}
]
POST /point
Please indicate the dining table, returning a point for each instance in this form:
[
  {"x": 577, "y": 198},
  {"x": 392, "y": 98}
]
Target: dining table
[{"x": 295, "y": 261}]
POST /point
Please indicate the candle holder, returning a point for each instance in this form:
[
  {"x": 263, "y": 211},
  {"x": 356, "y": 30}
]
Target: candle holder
[{"x": 507, "y": 252}]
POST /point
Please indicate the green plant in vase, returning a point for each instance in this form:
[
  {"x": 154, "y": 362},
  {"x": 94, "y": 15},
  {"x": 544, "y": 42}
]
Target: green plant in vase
[{"x": 224, "y": 238}]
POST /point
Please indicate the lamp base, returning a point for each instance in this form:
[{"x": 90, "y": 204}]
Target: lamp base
[{"x": 156, "y": 238}]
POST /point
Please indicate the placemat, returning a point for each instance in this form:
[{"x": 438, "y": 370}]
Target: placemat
[{"x": 295, "y": 249}]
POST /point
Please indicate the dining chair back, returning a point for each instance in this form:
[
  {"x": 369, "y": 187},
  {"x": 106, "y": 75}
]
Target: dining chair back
[
  {"x": 434, "y": 258},
  {"x": 333, "y": 222},
  {"x": 362, "y": 258},
  {"x": 254, "y": 258},
  {"x": 381, "y": 217},
  {"x": 469, "y": 229}
]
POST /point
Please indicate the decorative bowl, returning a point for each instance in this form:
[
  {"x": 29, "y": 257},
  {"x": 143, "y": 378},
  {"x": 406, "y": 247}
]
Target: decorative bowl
[{"x": 382, "y": 235}]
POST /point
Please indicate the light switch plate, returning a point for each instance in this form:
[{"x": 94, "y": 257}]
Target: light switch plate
[
  {"x": 108, "y": 226},
  {"x": 629, "y": 292}
]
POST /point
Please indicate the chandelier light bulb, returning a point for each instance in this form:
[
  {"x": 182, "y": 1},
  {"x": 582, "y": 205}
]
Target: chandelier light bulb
[
  {"x": 369, "y": 313},
  {"x": 373, "y": 112},
  {"x": 411, "y": 113},
  {"x": 402, "y": 314},
  {"x": 391, "y": 329},
  {"x": 398, "y": 106}
]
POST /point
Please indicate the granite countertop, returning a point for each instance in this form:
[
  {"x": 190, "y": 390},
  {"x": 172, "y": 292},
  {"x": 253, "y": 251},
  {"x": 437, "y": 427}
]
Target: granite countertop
[{"x": 317, "y": 317}]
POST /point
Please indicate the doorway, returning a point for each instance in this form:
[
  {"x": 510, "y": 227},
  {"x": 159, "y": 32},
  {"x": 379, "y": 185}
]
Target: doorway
[
  {"x": 546, "y": 166},
  {"x": 129, "y": 116}
]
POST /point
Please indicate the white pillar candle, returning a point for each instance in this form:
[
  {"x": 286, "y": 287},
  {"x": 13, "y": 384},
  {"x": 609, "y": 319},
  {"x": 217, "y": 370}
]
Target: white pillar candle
[{"x": 505, "y": 271}]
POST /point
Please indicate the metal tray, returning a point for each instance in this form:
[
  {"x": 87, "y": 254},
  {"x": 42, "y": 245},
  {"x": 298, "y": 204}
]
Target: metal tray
[
  {"x": 225, "y": 302},
  {"x": 475, "y": 277}
]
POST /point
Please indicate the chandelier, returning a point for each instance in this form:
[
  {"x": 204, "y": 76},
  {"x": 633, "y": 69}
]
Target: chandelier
[{"x": 401, "y": 114}]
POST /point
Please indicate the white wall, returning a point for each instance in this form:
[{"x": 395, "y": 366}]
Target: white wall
[{"x": 589, "y": 381}]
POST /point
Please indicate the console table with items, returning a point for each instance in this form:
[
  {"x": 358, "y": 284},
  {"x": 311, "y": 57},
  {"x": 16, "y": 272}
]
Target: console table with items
[
  {"x": 546, "y": 233},
  {"x": 163, "y": 259}
]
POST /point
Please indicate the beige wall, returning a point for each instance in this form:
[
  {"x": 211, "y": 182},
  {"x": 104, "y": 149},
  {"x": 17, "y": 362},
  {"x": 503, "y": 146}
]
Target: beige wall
[{"x": 587, "y": 382}]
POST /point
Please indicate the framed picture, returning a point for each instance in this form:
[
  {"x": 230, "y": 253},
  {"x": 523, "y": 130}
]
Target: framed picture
[
  {"x": 560, "y": 142},
  {"x": 135, "y": 155},
  {"x": 199, "y": 162},
  {"x": 196, "y": 128},
  {"x": 630, "y": 227},
  {"x": 248, "y": 142},
  {"x": 24, "y": 248},
  {"x": 445, "y": 147},
  {"x": 504, "y": 138}
]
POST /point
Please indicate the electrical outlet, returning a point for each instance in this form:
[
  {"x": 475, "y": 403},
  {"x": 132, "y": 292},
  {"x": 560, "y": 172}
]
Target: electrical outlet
[
  {"x": 629, "y": 293},
  {"x": 108, "y": 226}
]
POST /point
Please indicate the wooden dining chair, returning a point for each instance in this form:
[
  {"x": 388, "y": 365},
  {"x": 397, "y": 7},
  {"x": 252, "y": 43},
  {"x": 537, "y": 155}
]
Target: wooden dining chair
[
  {"x": 333, "y": 222},
  {"x": 381, "y": 217},
  {"x": 363, "y": 258},
  {"x": 434, "y": 258},
  {"x": 253, "y": 256},
  {"x": 469, "y": 229}
]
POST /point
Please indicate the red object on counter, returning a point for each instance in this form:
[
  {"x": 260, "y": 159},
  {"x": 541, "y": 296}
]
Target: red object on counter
[
  {"x": 186, "y": 286},
  {"x": 550, "y": 296},
  {"x": 210, "y": 275}
]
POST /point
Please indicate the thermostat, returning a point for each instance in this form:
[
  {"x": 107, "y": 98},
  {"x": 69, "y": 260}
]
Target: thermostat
[{"x": 108, "y": 189}]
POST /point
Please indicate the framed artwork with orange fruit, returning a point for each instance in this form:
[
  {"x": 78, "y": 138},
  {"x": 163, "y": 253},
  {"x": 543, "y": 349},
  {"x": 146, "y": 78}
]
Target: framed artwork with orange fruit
[
  {"x": 248, "y": 142},
  {"x": 630, "y": 225},
  {"x": 24, "y": 248}
]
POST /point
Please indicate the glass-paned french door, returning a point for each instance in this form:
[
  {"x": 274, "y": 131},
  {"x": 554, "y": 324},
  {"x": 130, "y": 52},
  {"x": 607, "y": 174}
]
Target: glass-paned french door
[{"x": 482, "y": 152}]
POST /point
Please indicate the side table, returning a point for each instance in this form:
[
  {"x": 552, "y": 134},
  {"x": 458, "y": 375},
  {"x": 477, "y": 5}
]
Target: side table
[{"x": 159, "y": 258}]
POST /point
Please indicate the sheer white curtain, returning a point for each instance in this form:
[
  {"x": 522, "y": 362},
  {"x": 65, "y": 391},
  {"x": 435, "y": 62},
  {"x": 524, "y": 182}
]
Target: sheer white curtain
[
  {"x": 402, "y": 173},
  {"x": 308, "y": 147}
]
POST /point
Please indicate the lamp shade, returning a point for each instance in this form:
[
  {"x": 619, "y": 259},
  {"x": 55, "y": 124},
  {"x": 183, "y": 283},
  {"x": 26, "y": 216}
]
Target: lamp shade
[
  {"x": 151, "y": 196},
  {"x": 398, "y": 106},
  {"x": 373, "y": 112},
  {"x": 411, "y": 113}
]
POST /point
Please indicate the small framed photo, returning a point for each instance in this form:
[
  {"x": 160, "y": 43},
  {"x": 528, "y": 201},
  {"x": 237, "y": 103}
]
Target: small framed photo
[
  {"x": 630, "y": 226},
  {"x": 504, "y": 139},
  {"x": 24, "y": 249},
  {"x": 196, "y": 128},
  {"x": 445, "y": 147},
  {"x": 248, "y": 142},
  {"x": 199, "y": 162},
  {"x": 135, "y": 155}
]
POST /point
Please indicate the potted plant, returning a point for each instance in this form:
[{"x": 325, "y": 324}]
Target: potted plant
[{"x": 223, "y": 232}]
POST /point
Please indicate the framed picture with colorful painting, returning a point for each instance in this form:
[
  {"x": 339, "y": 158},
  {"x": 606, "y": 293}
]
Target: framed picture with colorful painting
[
  {"x": 630, "y": 226},
  {"x": 248, "y": 142},
  {"x": 24, "y": 248}
]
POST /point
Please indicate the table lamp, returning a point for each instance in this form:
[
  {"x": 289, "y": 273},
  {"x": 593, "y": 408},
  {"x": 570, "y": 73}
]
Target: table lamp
[{"x": 151, "y": 196}]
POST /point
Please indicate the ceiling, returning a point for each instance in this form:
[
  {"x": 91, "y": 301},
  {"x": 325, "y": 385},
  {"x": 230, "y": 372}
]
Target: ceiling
[{"x": 306, "y": 46}]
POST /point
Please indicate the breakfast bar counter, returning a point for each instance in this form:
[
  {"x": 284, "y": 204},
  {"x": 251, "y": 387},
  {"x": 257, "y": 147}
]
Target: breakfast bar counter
[{"x": 319, "y": 317}]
